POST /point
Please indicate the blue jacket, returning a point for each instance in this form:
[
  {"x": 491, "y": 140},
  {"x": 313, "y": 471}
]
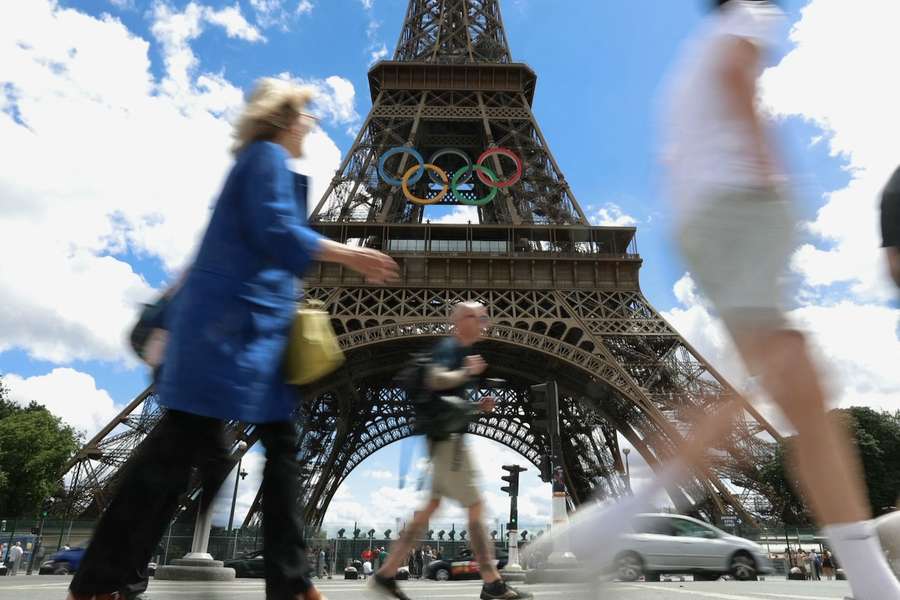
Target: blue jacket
[{"x": 229, "y": 323}]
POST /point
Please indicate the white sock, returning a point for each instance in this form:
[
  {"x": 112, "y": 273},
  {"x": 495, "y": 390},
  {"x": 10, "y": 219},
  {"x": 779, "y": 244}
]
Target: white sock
[{"x": 859, "y": 553}]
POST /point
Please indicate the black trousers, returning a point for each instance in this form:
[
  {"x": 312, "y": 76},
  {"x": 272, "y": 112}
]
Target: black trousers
[{"x": 159, "y": 473}]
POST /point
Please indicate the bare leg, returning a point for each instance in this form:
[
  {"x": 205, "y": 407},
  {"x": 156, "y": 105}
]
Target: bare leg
[
  {"x": 481, "y": 547},
  {"x": 407, "y": 540},
  {"x": 823, "y": 458}
]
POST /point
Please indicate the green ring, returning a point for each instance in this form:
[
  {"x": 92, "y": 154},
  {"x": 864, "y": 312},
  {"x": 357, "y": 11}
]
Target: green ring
[{"x": 479, "y": 201}]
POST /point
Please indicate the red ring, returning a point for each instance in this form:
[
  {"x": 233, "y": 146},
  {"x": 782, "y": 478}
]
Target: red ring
[{"x": 507, "y": 153}]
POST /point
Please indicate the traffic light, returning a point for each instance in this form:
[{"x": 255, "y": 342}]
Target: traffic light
[
  {"x": 546, "y": 470},
  {"x": 341, "y": 533},
  {"x": 45, "y": 507},
  {"x": 545, "y": 404},
  {"x": 512, "y": 479},
  {"x": 35, "y": 530}
]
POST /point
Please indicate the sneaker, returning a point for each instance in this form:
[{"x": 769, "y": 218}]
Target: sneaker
[
  {"x": 501, "y": 589},
  {"x": 387, "y": 587}
]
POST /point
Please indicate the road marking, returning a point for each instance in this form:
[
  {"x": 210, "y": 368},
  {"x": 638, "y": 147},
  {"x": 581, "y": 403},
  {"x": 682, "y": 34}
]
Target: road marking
[{"x": 751, "y": 596}]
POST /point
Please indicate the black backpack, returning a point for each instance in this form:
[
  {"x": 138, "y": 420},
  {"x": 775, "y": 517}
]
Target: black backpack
[{"x": 434, "y": 415}]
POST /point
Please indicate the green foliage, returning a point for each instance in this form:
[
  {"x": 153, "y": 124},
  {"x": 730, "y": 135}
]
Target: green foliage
[
  {"x": 877, "y": 439},
  {"x": 34, "y": 447},
  {"x": 877, "y": 436}
]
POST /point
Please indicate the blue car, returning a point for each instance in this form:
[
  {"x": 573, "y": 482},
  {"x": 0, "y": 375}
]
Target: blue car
[{"x": 63, "y": 562}]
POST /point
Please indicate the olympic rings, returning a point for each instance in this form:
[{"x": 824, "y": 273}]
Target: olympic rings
[
  {"x": 425, "y": 201},
  {"x": 450, "y": 151},
  {"x": 420, "y": 169},
  {"x": 481, "y": 170},
  {"x": 461, "y": 176},
  {"x": 507, "y": 153}
]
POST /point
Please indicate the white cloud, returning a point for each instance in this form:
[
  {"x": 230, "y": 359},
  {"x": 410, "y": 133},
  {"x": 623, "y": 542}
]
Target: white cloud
[
  {"x": 69, "y": 394},
  {"x": 335, "y": 98},
  {"x": 841, "y": 89},
  {"x": 382, "y": 474},
  {"x": 304, "y": 7},
  {"x": 611, "y": 215},
  {"x": 367, "y": 4},
  {"x": 378, "y": 54},
  {"x": 101, "y": 158},
  {"x": 462, "y": 213},
  {"x": 274, "y": 12},
  {"x": 236, "y": 26}
]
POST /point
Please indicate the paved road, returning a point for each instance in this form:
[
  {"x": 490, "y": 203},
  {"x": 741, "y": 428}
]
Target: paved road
[{"x": 54, "y": 588}]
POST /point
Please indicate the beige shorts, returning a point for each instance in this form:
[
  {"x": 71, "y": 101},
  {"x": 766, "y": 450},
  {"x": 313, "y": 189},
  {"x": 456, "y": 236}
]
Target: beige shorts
[
  {"x": 453, "y": 473},
  {"x": 737, "y": 248}
]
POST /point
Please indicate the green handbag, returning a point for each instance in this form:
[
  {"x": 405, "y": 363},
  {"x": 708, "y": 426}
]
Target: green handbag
[{"x": 313, "y": 351}]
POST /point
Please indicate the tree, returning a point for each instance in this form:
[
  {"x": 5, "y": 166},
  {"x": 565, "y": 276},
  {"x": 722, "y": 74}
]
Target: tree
[
  {"x": 876, "y": 436},
  {"x": 34, "y": 447}
]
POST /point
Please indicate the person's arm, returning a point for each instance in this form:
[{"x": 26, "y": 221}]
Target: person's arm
[
  {"x": 737, "y": 74},
  {"x": 440, "y": 378},
  {"x": 275, "y": 224}
]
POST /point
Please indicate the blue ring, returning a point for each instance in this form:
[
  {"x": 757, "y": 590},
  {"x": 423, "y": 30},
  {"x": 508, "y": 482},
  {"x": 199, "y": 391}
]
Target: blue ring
[{"x": 401, "y": 150}]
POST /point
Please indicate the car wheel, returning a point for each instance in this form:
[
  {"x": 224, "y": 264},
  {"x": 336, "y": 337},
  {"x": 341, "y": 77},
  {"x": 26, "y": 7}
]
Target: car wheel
[
  {"x": 62, "y": 569},
  {"x": 743, "y": 568},
  {"x": 651, "y": 577},
  {"x": 442, "y": 575},
  {"x": 629, "y": 567}
]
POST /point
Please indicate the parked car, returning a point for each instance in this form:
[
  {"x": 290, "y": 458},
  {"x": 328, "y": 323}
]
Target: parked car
[
  {"x": 63, "y": 562},
  {"x": 464, "y": 566},
  {"x": 248, "y": 565},
  {"x": 676, "y": 544}
]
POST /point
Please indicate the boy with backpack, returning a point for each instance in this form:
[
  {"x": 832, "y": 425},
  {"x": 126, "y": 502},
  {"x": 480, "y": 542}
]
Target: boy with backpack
[{"x": 438, "y": 387}]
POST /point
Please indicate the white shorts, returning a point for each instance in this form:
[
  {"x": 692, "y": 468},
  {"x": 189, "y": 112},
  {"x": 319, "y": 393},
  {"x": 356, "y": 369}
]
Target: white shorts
[{"x": 737, "y": 247}]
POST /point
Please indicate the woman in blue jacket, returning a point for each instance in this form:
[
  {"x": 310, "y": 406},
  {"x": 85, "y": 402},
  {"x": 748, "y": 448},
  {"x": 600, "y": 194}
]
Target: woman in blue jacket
[{"x": 228, "y": 329}]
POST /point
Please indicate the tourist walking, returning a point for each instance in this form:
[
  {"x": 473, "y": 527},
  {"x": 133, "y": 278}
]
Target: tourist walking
[
  {"x": 734, "y": 224},
  {"x": 447, "y": 383},
  {"x": 15, "y": 558},
  {"x": 228, "y": 330},
  {"x": 827, "y": 565}
]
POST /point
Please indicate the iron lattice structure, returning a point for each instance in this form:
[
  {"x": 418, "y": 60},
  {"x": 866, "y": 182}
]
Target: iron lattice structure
[{"x": 564, "y": 296}]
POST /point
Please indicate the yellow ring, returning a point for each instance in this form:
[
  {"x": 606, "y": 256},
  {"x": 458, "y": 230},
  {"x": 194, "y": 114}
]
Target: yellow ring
[{"x": 422, "y": 201}]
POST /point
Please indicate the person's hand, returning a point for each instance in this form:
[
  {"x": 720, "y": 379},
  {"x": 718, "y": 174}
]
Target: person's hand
[
  {"x": 373, "y": 265},
  {"x": 474, "y": 365},
  {"x": 487, "y": 404}
]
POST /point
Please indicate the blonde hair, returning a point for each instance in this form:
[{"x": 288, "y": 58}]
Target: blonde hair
[{"x": 273, "y": 107}]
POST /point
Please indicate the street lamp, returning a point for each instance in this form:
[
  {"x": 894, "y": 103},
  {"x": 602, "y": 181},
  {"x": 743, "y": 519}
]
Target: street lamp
[
  {"x": 241, "y": 474},
  {"x": 627, "y": 471}
]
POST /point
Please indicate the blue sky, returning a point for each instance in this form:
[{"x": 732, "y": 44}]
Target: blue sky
[{"x": 114, "y": 125}]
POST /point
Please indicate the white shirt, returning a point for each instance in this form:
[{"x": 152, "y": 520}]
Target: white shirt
[
  {"x": 703, "y": 145},
  {"x": 367, "y": 568},
  {"x": 15, "y": 553}
]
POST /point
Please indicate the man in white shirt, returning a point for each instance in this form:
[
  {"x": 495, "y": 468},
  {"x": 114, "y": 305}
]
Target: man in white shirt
[
  {"x": 15, "y": 558},
  {"x": 734, "y": 229}
]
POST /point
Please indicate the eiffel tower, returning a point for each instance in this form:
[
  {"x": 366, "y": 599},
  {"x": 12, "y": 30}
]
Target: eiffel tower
[{"x": 563, "y": 295}]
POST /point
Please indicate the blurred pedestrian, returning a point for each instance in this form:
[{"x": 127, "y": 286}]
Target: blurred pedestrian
[
  {"x": 15, "y": 558},
  {"x": 890, "y": 225},
  {"x": 446, "y": 382},
  {"x": 827, "y": 565},
  {"x": 228, "y": 331},
  {"x": 734, "y": 227}
]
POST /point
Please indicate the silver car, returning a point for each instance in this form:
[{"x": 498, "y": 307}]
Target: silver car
[{"x": 675, "y": 544}]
